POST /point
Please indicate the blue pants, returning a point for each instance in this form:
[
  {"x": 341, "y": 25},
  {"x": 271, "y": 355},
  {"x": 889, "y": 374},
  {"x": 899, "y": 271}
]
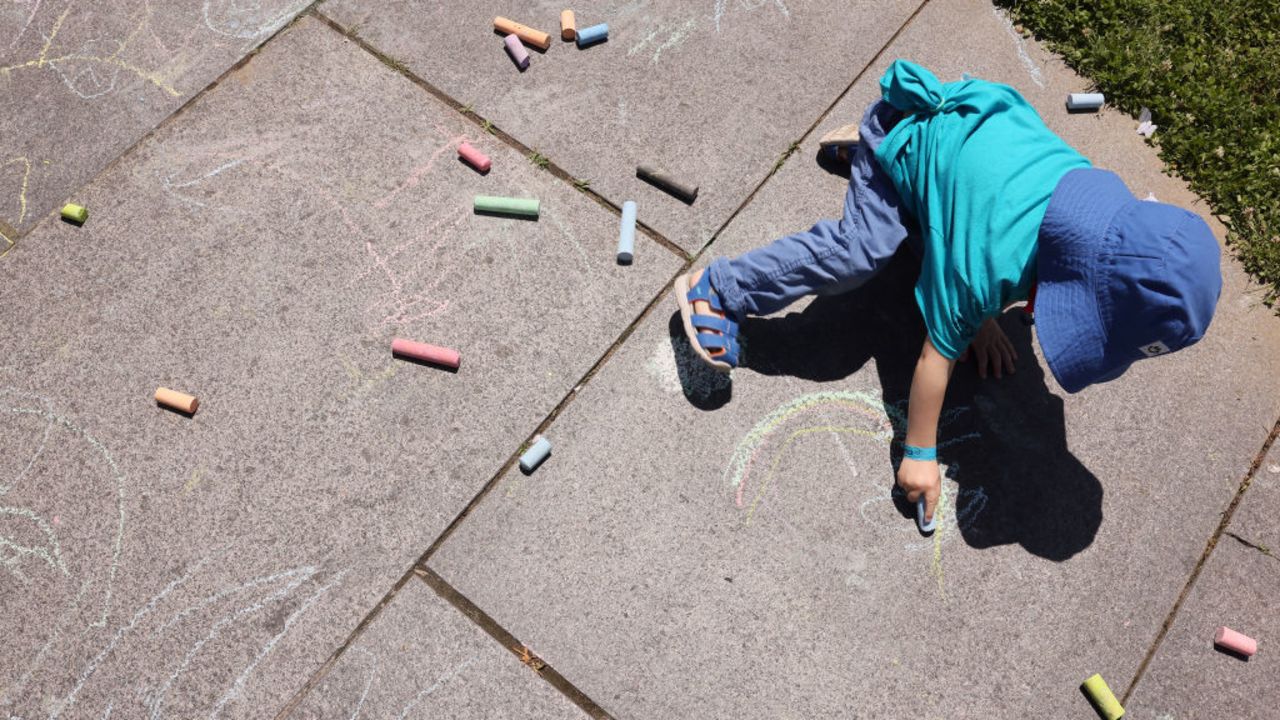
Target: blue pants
[{"x": 832, "y": 256}]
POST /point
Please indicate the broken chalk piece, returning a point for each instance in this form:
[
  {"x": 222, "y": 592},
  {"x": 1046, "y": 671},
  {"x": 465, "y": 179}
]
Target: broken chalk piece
[
  {"x": 434, "y": 354},
  {"x": 1151, "y": 197},
  {"x": 1145, "y": 115},
  {"x": 527, "y": 207},
  {"x": 1085, "y": 101},
  {"x": 181, "y": 402},
  {"x": 516, "y": 50},
  {"x": 75, "y": 213},
  {"x": 474, "y": 157},
  {"x": 1103, "y": 700},
  {"x": 662, "y": 181},
  {"x": 568, "y": 26},
  {"x": 536, "y": 38},
  {"x": 593, "y": 34},
  {"x": 1235, "y": 642},
  {"x": 627, "y": 233},
  {"x": 536, "y": 453},
  {"x": 925, "y": 527}
]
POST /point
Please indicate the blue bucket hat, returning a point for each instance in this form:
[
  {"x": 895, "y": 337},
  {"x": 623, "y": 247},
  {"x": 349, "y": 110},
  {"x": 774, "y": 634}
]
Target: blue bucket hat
[{"x": 1119, "y": 279}]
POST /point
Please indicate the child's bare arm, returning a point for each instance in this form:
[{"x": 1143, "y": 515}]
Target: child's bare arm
[{"x": 928, "y": 386}]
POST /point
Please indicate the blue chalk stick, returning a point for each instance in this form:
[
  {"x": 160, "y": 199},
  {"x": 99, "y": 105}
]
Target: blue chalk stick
[
  {"x": 920, "y": 523},
  {"x": 627, "y": 233},
  {"x": 536, "y": 453},
  {"x": 593, "y": 34}
]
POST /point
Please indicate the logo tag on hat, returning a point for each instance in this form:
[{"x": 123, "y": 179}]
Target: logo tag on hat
[{"x": 1154, "y": 349}]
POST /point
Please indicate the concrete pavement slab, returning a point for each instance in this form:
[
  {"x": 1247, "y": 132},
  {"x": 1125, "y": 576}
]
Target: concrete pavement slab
[
  {"x": 87, "y": 80},
  {"x": 1188, "y": 677},
  {"x": 1254, "y": 519},
  {"x": 703, "y": 548},
  {"x": 260, "y": 253},
  {"x": 422, "y": 658},
  {"x": 712, "y": 91}
]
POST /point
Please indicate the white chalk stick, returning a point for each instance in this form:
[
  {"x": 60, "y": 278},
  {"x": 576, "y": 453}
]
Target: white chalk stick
[
  {"x": 925, "y": 527},
  {"x": 627, "y": 233},
  {"x": 536, "y": 453},
  {"x": 1085, "y": 101}
]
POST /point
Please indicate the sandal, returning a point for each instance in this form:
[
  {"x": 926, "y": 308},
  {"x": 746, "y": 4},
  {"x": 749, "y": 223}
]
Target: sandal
[
  {"x": 714, "y": 339},
  {"x": 843, "y": 137}
]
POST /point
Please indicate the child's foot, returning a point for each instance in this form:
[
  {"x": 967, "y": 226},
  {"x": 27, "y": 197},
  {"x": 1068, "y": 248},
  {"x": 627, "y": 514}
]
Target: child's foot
[{"x": 712, "y": 334}]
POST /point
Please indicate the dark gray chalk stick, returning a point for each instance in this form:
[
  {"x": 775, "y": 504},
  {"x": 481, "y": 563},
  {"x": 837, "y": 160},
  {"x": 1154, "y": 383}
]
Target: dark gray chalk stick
[{"x": 666, "y": 183}]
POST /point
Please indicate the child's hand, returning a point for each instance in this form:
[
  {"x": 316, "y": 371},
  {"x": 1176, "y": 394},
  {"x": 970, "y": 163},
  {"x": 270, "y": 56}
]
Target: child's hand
[
  {"x": 921, "y": 476},
  {"x": 992, "y": 346}
]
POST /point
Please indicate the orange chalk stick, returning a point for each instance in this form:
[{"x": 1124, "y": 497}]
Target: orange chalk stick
[
  {"x": 568, "y": 26},
  {"x": 528, "y": 35},
  {"x": 181, "y": 402},
  {"x": 433, "y": 354}
]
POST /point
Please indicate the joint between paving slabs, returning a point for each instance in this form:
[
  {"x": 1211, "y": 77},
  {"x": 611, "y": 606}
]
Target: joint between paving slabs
[
  {"x": 534, "y": 156},
  {"x": 12, "y": 235},
  {"x": 1204, "y": 557},
  {"x": 513, "y": 645}
]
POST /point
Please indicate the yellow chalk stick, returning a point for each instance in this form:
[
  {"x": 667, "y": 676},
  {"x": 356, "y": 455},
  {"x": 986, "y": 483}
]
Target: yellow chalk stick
[
  {"x": 75, "y": 213},
  {"x": 1103, "y": 700}
]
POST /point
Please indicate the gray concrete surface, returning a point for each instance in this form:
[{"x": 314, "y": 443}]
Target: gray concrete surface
[
  {"x": 1188, "y": 677},
  {"x": 700, "y": 550},
  {"x": 261, "y": 253},
  {"x": 421, "y": 658},
  {"x": 81, "y": 81},
  {"x": 714, "y": 91},
  {"x": 1255, "y": 517}
]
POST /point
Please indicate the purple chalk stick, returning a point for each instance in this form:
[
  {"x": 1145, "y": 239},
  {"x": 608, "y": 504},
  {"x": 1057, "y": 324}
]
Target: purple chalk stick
[{"x": 516, "y": 49}]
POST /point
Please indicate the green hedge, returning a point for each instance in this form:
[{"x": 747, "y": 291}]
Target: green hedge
[{"x": 1210, "y": 72}]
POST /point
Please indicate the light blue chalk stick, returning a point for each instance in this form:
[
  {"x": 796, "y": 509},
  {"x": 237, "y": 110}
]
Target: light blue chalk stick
[
  {"x": 593, "y": 34},
  {"x": 1085, "y": 101},
  {"x": 920, "y": 523},
  {"x": 627, "y": 233},
  {"x": 536, "y": 453}
]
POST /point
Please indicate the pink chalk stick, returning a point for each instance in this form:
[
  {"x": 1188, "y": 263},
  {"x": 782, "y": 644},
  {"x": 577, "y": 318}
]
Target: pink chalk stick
[
  {"x": 1232, "y": 640},
  {"x": 427, "y": 353},
  {"x": 518, "y": 53},
  {"x": 478, "y": 160}
]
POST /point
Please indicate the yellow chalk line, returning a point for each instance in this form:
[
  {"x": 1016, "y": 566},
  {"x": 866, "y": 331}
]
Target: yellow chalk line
[{"x": 773, "y": 466}]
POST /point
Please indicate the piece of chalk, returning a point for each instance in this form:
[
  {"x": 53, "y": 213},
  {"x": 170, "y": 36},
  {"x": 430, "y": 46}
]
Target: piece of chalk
[
  {"x": 627, "y": 233},
  {"x": 1104, "y": 701},
  {"x": 536, "y": 453},
  {"x": 925, "y": 527},
  {"x": 75, "y": 213},
  {"x": 1236, "y": 642},
  {"x": 536, "y": 38},
  {"x": 181, "y": 402},
  {"x": 1085, "y": 101},
  {"x": 433, "y": 354},
  {"x": 474, "y": 157},
  {"x": 516, "y": 50},
  {"x": 507, "y": 205},
  {"x": 666, "y": 183},
  {"x": 593, "y": 34},
  {"x": 568, "y": 26}
]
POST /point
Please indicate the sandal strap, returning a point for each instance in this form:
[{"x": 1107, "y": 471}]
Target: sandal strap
[
  {"x": 704, "y": 291},
  {"x": 712, "y": 322},
  {"x": 727, "y": 343}
]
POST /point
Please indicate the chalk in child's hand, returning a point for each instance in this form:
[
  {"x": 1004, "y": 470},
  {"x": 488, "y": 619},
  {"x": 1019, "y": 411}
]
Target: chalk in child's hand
[
  {"x": 434, "y": 354},
  {"x": 536, "y": 453},
  {"x": 593, "y": 34},
  {"x": 536, "y": 38},
  {"x": 627, "y": 233},
  {"x": 666, "y": 183},
  {"x": 75, "y": 213},
  {"x": 181, "y": 402},
  {"x": 568, "y": 26},
  {"x": 1236, "y": 642},
  {"x": 1103, "y": 700},
  {"x": 1085, "y": 101},
  {"x": 925, "y": 527},
  {"x": 527, "y": 207},
  {"x": 474, "y": 157},
  {"x": 516, "y": 50}
]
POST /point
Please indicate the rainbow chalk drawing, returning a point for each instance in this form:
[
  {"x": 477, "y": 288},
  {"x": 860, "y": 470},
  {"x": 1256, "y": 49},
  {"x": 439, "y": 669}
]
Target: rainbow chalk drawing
[{"x": 858, "y": 414}]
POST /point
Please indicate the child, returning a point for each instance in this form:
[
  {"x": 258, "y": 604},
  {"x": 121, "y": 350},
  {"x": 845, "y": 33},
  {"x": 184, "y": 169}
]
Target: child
[{"x": 1000, "y": 210}]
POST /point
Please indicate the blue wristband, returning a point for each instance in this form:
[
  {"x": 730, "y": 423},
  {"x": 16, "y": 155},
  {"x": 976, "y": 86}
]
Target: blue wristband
[{"x": 920, "y": 453}]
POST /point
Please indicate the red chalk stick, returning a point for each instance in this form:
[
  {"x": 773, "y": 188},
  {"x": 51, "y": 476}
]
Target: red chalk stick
[
  {"x": 1238, "y": 642},
  {"x": 478, "y": 160},
  {"x": 427, "y": 353}
]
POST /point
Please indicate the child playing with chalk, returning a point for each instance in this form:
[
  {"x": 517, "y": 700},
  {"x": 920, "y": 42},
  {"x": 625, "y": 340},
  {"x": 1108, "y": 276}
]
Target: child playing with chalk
[{"x": 1000, "y": 210}]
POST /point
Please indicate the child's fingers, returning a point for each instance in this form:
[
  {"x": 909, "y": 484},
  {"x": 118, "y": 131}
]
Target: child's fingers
[{"x": 931, "y": 501}]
